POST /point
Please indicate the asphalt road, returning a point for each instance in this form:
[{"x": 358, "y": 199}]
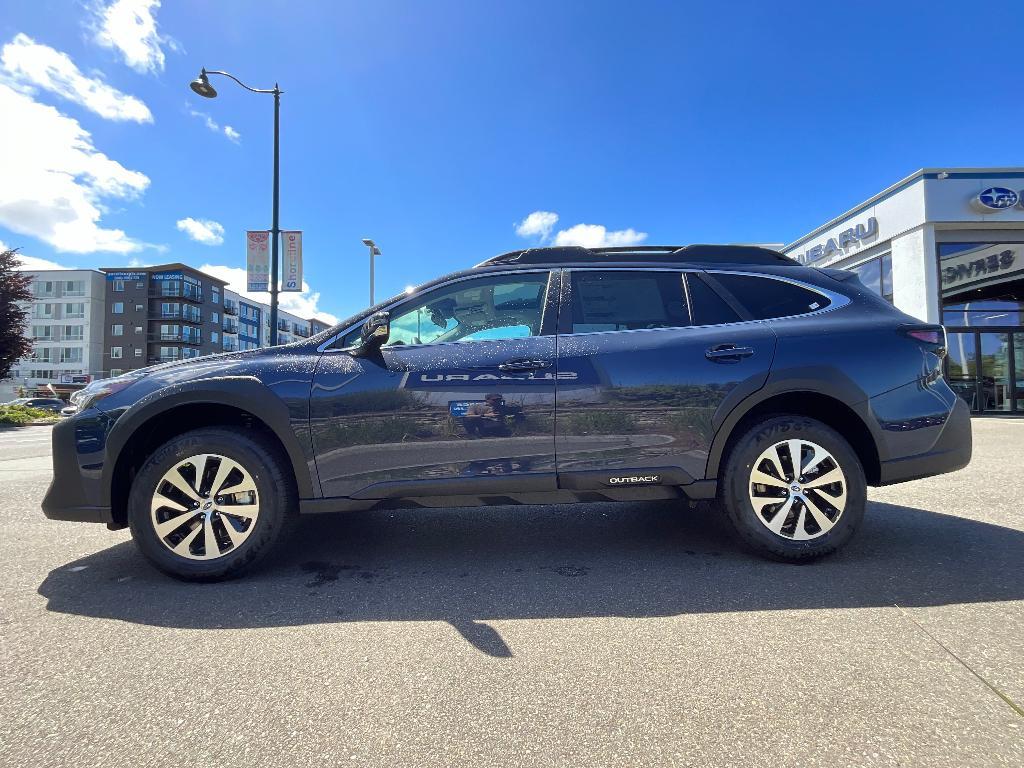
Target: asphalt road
[{"x": 579, "y": 636}]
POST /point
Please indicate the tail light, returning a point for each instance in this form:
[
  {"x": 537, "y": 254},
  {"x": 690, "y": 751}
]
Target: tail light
[{"x": 933, "y": 336}]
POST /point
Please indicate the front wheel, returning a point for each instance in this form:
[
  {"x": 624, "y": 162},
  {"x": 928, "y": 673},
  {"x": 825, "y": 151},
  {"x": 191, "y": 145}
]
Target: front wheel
[
  {"x": 793, "y": 488},
  {"x": 211, "y": 503}
]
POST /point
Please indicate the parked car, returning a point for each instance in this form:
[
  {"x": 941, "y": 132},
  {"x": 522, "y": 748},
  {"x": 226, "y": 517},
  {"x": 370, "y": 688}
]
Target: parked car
[
  {"x": 545, "y": 375},
  {"x": 52, "y": 404}
]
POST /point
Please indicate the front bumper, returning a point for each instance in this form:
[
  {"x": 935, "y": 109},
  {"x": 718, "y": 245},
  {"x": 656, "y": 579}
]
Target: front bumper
[
  {"x": 67, "y": 497},
  {"x": 950, "y": 452}
]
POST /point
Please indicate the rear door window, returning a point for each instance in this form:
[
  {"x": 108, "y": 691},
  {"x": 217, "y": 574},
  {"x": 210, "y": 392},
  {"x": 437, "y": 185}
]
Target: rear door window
[
  {"x": 622, "y": 300},
  {"x": 708, "y": 307},
  {"x": 765, "y": 297}
]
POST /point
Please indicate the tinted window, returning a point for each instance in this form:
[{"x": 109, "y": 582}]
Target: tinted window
[
  {"x": 480, "y": 309},
  {"x": 627, "y": 301},
  {"x": 765, "y": 298},
  {"x": 707, "y": 306}
]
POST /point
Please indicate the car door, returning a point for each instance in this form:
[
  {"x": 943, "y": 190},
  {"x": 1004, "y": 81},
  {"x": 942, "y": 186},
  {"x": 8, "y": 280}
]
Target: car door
[
  {"x": 460, "y": 400},
  {"x": 646, "y": 360}
]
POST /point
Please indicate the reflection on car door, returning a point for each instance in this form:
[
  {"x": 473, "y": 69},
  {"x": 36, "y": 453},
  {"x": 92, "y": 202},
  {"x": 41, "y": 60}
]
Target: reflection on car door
[
  {"x": 472, "y": 416},
  {"x": 647, "y": 376}
]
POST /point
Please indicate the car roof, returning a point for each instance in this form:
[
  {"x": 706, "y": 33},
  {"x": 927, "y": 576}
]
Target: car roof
[{"x": 697, "y": 255}]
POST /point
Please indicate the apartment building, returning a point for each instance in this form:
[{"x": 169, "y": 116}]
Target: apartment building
[
  {"x": 250, "y": 324},
  {"x": 159, "y": 314},
  {"x": 66, "y": 327},
  {"x": 89, "y": 324}
]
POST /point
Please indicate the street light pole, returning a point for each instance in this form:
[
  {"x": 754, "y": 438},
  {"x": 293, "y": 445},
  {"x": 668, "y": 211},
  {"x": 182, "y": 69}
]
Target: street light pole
[
  {"x": 201, "y": 86},
  {"x": 275, "y": 231},
  {"x": 374, "y": 251}
]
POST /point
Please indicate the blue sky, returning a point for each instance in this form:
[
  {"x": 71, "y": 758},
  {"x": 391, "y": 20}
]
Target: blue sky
[{"x": 437, "y": 127}]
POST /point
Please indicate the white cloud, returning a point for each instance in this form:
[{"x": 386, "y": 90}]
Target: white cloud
[
  {"x": 302, "y": 304},
  {"x": 54, "y": 182},
  {"x": 537, "y": 223},
  {"x": 213, "y": 125},
  {"x": 27, "y": 65},
  {"x": 541, "y": 223},
  {"x": 207, "y": 120},
  {"x": 129, "y": 26},
  {"x": 202, "y": 231},
  {"x": 30, "y": 263},
  {"x": 597, "y": 236}
]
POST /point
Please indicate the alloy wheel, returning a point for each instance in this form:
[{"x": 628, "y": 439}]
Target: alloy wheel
[
  {"x": 205, "y": 507},
  {"x": 797, "y": 489}
]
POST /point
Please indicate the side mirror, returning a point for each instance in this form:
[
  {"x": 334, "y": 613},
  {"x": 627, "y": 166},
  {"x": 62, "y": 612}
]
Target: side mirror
[{"x": 375, "y": 332}]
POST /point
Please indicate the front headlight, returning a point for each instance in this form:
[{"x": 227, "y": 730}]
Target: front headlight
[{"x": 93, "y": 393}]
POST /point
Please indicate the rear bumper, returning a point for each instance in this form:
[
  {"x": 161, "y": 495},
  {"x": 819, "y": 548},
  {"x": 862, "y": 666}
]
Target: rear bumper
[
  {"x": 950, "y": 452},
  {"x": 66, "y": 498}
]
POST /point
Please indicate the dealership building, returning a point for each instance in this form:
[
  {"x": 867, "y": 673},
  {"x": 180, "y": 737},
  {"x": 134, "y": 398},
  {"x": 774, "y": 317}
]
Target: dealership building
[{"x": 946, "y": 246}]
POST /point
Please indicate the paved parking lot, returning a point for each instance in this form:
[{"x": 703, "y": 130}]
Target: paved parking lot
[{"x": 586, "y": 636}]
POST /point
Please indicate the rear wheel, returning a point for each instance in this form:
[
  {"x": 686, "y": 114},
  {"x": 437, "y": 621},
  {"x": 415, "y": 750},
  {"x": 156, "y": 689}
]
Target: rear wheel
[
  {"x": 793, "y": 488},
  {"x": 211, "y": 503}
]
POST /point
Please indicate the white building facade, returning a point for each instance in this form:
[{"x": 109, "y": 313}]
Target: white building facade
[
  {"x": 66, "y": 325},
  {"x": 946, "y": 246}
]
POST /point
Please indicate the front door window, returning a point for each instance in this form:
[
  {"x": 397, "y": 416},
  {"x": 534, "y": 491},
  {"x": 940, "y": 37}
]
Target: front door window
[{"x": 492, "y": 308}]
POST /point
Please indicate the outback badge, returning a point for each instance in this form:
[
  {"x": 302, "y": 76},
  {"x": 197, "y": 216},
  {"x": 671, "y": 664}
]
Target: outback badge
[{"x": 634, "y": 479}]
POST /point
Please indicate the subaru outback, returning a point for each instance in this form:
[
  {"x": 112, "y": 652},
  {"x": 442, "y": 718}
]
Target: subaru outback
[{"x": 547, "y": 375}]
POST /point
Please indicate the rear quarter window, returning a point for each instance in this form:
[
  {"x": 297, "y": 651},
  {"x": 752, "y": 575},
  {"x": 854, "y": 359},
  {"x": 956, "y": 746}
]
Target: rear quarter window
[{"x": 765, "y": 298}]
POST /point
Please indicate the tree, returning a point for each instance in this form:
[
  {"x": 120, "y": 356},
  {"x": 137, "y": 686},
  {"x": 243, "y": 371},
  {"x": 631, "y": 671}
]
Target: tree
[{"x": 15, "y": 286}]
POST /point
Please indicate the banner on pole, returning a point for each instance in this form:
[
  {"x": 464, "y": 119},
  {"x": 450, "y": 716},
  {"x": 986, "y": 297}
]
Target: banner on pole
[
  {"x": 291, "y": 247},
  {"x": 257, "y": 260}
]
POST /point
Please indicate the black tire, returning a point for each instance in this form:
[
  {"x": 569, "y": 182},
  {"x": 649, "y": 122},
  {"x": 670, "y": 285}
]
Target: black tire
[
  {"x": 278, "y": 505},
  {"x": 735, "y": 489}
]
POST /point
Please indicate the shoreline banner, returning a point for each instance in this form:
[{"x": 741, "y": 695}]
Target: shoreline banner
[
  {"x": 257, "y": 260},
  {"x": 291, "y": 249}
]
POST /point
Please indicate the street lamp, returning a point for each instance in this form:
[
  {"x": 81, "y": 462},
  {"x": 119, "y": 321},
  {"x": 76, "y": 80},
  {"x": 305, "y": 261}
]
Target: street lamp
[
  {"x": 201, "y": 86},
  {"x": 374, "y": 251}
]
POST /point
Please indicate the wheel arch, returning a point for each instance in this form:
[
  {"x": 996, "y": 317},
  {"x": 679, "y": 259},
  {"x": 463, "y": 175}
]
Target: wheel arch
[
  {"x": 164, "y": 414},
  {"x": 824, "y": 407}
]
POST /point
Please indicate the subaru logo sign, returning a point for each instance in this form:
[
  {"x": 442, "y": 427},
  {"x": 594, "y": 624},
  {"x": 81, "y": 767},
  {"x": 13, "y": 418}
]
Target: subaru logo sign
[{"x": 997, "y": 199}]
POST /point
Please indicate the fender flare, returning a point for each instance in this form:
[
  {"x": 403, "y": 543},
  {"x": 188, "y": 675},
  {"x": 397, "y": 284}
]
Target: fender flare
[
  {"x": 827, "y": 383},
  {"x": 245, "y": 392}
]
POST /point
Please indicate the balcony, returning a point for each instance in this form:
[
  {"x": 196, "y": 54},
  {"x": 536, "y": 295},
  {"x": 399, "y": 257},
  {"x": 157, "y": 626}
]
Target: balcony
[
  {"x": 230, "y": 307},
  {"x": 189, "y": 293},
  {"x": 230, "y": 327},
  {"x": 163, "y": 359},
  {"x": 230, "y": 347},
  {"x": 301, "y": 332},
  {"x": 181, "y": 338}
]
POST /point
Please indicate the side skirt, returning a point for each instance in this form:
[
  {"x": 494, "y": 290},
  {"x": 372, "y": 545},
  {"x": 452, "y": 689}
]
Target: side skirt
[{"x": 702, "y": 489}]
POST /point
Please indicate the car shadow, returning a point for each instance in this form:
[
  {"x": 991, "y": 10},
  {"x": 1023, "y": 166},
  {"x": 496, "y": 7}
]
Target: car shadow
[{"x": 470, "y": 566}]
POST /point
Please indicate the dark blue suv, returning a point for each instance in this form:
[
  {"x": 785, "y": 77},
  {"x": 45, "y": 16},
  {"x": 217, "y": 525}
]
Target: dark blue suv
[{"x": 539, "y": 376}]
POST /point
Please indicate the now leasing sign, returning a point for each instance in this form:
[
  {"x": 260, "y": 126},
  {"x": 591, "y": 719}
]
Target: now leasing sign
[
  {"x": 291, "y": 247},
  {"x": 257, "y": 260}
]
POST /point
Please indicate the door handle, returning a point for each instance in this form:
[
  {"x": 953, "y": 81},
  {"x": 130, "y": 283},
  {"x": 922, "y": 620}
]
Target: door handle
[
  {"x": 524, "y": 365},
  {"x": 727, "y": 353}
]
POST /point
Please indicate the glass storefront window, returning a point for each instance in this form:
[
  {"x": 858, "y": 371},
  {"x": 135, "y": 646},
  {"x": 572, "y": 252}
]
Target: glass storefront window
[
  {"x": 984, "y": 312},
  {"x": 995, "y": 371},
  {"x": 962, "y": 367},
  {"x": 886, "y": 269},
  {"x": 1018, "y": 368},
  {"x": 876, "y": 274},
  {"x": 982, "y": 283}
]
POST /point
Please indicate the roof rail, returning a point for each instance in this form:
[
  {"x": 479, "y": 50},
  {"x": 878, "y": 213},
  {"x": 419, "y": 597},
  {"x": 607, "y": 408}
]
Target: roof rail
[{"x": 700, "y": 253}]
